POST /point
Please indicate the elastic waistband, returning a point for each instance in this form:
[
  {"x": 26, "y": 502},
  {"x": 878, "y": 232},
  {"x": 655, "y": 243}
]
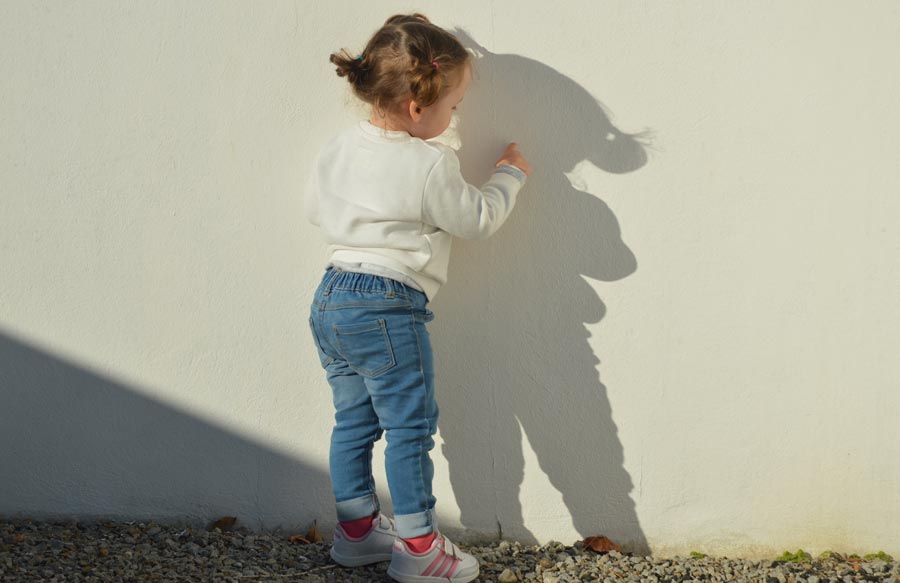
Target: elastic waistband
[{"x": 337, "y": 278}]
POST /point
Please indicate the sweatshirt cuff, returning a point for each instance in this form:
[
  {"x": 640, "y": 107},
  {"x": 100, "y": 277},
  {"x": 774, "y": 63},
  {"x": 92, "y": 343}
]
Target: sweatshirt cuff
[{"x": 512, "y": 171}]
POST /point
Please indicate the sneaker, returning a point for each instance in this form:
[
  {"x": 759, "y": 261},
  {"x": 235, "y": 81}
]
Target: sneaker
[
  {"x": 442, "y": 562},
  {"x": 372, "y": 547}
]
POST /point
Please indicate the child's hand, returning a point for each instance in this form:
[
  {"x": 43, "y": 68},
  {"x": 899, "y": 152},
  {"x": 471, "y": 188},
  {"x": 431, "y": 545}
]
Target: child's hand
[{"x": 512, "y": 156}]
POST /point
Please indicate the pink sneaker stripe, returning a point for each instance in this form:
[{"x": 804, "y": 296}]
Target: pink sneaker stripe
[
  {"x": 452, "y": 570},
  {"x": 448, "y": 561},
  {"x": 439, "y": 559}
]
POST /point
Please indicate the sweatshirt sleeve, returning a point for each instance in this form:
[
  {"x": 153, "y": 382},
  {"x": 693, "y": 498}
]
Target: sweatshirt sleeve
[
  {"x": 454, "y": 206},
  {"x": 311, "y": 196}
]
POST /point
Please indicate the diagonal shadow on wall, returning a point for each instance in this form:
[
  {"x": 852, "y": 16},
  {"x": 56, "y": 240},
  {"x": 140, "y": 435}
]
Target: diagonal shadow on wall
[
  {"x": 77, "y": 445},
  {"x": 516, "y": 306}
]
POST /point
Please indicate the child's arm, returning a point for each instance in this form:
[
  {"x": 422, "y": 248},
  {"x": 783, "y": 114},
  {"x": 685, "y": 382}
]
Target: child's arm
[{"x": 451, "y": 204}]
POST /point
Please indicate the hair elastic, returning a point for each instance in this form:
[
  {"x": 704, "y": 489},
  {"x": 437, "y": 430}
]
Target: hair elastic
[
  {"x": 435, "y": 63},
  {"x": 359, "y": 58}
]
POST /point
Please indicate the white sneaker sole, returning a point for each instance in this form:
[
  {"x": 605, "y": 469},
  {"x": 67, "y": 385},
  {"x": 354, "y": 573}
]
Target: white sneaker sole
[
  {"x": 457, "y": 578},
  {"x": 358, "y": 561}
]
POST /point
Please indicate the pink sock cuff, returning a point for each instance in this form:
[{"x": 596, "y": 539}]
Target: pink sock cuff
[
  {"x": 358, "y": 529},
  {"x": 420, "y": 544}
]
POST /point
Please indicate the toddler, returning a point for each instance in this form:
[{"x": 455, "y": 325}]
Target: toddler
[{"x": 388, "y": 202}]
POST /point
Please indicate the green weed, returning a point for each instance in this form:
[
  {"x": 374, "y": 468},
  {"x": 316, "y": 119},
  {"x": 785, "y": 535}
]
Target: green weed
[{"x": 798, "y": 557}]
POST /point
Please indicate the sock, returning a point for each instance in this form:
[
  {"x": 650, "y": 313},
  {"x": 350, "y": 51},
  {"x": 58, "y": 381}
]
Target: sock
[
  {"x": 360, "y": 526},
  {"x": 420, "y": 544}
]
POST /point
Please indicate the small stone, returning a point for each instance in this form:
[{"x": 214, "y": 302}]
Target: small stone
[
  {"x": 507, "y": 576},
  {"x": 548, "y": 578}
]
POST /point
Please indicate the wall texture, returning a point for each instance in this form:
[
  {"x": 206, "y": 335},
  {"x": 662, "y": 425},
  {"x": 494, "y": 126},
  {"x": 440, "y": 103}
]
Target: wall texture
[{"x": 681, "y": 339}]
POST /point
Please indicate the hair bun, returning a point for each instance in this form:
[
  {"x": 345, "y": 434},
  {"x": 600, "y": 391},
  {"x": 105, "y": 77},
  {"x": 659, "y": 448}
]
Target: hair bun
[{"x": 347, "y": 66}]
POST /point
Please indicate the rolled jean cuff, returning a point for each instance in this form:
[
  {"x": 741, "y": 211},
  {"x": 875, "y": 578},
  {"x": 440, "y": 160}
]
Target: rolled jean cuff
[
  {"x": 357, "y": 508},
  {"x": 417, "y": 524}
]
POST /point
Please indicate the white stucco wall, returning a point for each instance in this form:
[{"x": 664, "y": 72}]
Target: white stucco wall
[{"x": 682, "y": 340}]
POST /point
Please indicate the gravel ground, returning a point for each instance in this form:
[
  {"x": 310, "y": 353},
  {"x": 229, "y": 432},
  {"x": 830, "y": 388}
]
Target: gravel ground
[{"x": 72, "y": 551}]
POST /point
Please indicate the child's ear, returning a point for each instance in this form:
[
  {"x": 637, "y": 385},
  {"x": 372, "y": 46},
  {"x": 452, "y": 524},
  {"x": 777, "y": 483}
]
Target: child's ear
[{"x": 415, "y": 112}]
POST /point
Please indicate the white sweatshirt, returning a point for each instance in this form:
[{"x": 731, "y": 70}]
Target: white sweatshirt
[{"x": 386, "y": 199}]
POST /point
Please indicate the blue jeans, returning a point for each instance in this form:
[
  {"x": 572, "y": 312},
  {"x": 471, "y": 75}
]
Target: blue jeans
[{"x": 372, "y": 342}]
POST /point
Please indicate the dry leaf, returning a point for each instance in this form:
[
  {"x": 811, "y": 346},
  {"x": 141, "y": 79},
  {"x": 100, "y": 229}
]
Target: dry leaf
[
  {"x": 19, "y": 538},
  {"x": 224, "y": 523},
  {"x": 601, "y": 544},
  {"x": 296, "y": 538},
  {"x": 313, "y": 534}
]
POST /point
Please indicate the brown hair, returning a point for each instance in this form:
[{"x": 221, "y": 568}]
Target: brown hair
[{"x": 397, "y": 63}]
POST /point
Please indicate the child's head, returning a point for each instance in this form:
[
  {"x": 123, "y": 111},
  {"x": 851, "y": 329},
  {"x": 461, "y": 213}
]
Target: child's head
[{"x": 411, "y": 72}]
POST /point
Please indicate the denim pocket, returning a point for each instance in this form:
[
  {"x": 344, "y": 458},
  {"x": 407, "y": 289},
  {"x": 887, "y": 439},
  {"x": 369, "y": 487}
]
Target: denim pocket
[
  {"x": 366, "y": 346},
  {"x": 424, "y": 315},
  {"x": 324, "y": 359}
]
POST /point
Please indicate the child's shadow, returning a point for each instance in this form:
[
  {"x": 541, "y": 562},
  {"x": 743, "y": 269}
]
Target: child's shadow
[{"x": 510, "y": 341}]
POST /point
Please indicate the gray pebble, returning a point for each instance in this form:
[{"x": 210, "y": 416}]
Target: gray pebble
[{"x": 110, "y": 552}]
